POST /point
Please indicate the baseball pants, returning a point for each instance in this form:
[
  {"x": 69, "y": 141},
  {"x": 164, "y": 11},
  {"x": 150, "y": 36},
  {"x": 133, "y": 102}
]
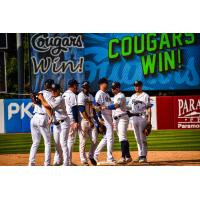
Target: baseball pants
[
  {"x": 138, "y": 124},
  {"x": 39, "y": 126},
  {"x": 121, "y": 128},
  {"x": 60, "y": 134},
  {"x": 71, "y": 140},
  {"x": 108, "y": 139},
  {"x": 84, "y": 132}
]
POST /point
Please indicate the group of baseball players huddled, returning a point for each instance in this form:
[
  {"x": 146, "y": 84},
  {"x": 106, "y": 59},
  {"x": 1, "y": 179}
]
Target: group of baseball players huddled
[{"x": 70, "y": 115}]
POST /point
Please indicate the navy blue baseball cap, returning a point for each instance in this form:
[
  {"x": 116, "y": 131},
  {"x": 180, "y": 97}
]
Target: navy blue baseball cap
[
  {"x": 103, "y": 80},
  {"x": 55, "y": 87},
  {"x": 137, "y": 83},
  {"x": 49, "y": 82},
  {"x": 85, "y": 84},
  {"x": 116, "y": 85},
  {"x": 72, "y": 82}
]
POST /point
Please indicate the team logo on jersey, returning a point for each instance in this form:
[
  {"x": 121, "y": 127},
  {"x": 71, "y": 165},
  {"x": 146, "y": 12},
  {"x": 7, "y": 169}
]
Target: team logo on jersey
[
  {"x": 139, "y": 106},
  {"x": 135, "y": 102},
  {"x": 108, "y": 99}
]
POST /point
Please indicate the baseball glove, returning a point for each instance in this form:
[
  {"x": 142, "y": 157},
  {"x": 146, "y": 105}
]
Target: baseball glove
[
  {"x": 101, "y": 129},
  {"x": 147, "y": 129}
]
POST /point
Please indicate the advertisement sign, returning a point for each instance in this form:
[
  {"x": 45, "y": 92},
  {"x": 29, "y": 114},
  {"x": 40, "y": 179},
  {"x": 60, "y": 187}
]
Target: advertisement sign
[
  {"x": 187, "y": 112},
  {"x": 17, "y": 115},
  {"x": 178, "y": 112},
  {"x": 161, "y": 61},
  {"x": 56, "y": 56}
]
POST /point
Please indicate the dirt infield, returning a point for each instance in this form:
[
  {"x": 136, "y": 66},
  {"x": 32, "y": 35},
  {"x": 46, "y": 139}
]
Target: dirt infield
[{"x": 155, "y": 158}]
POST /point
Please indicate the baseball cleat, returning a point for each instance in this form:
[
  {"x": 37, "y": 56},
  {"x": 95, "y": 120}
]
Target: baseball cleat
[
  {"x": 111, "y": 162},
  {"x": 143, "y": 159},
  {"x": 56, "y": 164},
  {"x": 129, "y": 160},
  {"x": 137, "y": 160},
  {"x": 121, "y": 161},
  {"x": 31, "y": 164},
  {"x": 65, "y": 164},
  {"x": 85, "y": 163},
  {"x": 72, "y": 164},
  {"x": 93, "y": 161}
]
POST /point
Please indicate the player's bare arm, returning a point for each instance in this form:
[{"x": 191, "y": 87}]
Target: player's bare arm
[{"x": 97, "y": 111}]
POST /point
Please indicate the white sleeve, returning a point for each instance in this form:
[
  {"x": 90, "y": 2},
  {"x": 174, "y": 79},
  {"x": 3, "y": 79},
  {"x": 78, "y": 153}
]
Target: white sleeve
[
  {"x": 130, "y": 102},
  {"x": 120, "y": 99},
  {"x": 81, "y": 100},
  {"x": 129, "y": 106},
  {"x": 147, "y": 100},
  {"x": 54, "y": 102},
  {"x": 73, "y": 100},
  {"x": 99, "y": 98},
  {"x": 91, "y": 98}
]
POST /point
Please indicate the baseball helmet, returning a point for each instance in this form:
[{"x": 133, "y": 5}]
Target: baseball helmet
[
  {"x": 116, "y": 85},
  {"x": 72, "y": 82},
  {"x": 48, "y": 83},
  {"x": 103, "y": 80},
  {"x": 138, "y": 83}
]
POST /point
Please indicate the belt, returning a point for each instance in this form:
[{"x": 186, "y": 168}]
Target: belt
[
  {"x": 58, "y": 122},
  {"x": 40, "y": 113},
  {"x": 130, "y": 115},
  {"x": 119, "y": 116}
]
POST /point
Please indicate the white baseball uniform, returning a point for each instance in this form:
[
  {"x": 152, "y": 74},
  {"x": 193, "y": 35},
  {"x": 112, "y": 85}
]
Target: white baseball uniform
[
  {"x": 61, "y": 125},
  {"x": 139, "y": 104},
  {"x": 103, "y": 98},
  {"x": 70, "y": 101},
  {"x": 85, "y": 130},
  {"x": 39, "y": 126},
  {"x": 121, "y": 123}
]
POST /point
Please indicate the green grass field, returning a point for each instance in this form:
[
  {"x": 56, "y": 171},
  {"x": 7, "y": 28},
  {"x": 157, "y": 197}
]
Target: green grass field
[{"x": 167, "y": 140}]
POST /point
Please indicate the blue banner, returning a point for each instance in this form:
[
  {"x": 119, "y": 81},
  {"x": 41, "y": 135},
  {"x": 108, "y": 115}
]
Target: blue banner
[
  {"x": 161, "y": 61},
  {"x": 17, "y": 115}
]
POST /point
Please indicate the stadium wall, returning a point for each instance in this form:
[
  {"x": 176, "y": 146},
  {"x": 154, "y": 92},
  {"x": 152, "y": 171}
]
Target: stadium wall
[{"x": 168, "y": 112}]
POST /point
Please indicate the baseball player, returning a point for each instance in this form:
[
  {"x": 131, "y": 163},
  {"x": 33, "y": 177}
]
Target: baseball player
[
  {"x": 87, "y": 124},
  {"x": 121, "y": 121},
  {"x": 103, "y": 99},
  {"x": 140, "y": 103},
  {"x": 39, "y": 126},
  {"x": 70, "y": 98},
  {"x": 61, "y": 125}
]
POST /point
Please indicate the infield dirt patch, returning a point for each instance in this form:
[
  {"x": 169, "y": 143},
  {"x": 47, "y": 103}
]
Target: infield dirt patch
[{"x": 155, "y": 158}]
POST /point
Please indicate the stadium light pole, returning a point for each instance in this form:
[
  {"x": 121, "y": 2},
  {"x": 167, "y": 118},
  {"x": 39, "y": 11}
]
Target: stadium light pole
[{"x": 20, "y": 64}]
